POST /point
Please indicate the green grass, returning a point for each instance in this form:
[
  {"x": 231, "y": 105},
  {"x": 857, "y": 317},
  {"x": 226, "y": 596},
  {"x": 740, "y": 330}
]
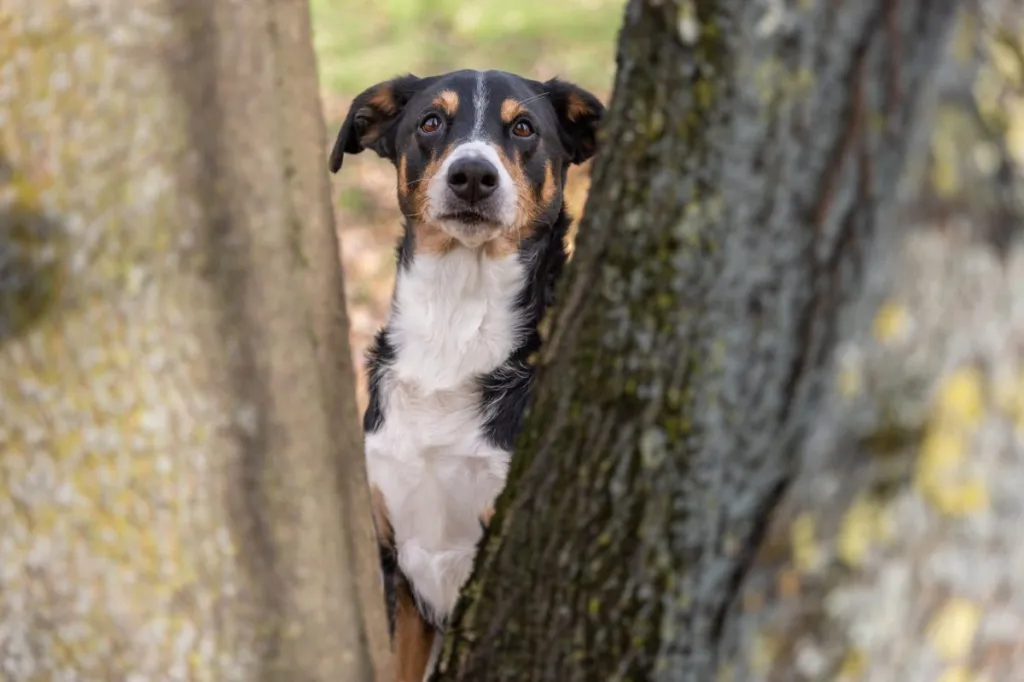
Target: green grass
[{"x": 361, "y": 42}]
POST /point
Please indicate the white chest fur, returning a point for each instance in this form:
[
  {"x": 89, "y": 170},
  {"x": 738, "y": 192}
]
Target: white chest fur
[{"x": 452, "y": 319}]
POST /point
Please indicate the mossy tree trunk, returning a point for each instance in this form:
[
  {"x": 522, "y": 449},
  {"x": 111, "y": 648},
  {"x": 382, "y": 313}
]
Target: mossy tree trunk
[
  {"x": 778, "y": 431},
  {"x": 181, "y": 486}
]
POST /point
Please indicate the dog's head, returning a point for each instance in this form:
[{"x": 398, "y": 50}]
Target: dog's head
[{"x": 481, "y": 155}]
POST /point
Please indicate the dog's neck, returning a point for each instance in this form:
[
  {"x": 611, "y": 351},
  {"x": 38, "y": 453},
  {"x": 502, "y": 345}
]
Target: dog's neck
[{"x": 461, "y": 314}]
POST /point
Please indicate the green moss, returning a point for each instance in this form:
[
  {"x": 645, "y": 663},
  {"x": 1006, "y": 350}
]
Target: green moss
[
  {"x": 32, "y": 268},
  {"x": 889, "y": 438},
  {"x": 704, "y": 94}
]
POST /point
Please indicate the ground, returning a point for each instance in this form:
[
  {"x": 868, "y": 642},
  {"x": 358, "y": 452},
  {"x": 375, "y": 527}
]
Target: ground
[{"x": 361, "y": 42}]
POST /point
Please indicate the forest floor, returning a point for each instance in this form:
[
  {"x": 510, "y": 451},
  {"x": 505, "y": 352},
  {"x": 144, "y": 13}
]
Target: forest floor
[{"x": 362, "y": 42}]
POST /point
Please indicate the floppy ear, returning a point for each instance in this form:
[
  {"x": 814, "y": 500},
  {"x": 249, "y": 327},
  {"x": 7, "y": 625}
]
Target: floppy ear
[
  {"x": 579, "y": 114},
  {"x": 370, "y": 123}
]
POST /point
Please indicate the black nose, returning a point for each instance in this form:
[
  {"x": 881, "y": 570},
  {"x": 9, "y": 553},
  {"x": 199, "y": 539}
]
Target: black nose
[{"x": 472, "y": 179}]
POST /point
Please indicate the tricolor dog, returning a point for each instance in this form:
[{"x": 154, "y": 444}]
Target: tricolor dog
[{"x": 481, "y": 159}]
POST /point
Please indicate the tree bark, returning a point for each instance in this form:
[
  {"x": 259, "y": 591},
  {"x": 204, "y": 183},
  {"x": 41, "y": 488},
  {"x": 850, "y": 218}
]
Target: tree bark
[
  {"x": 181, "y": 484},
  {"x": 773, "y": 429}
]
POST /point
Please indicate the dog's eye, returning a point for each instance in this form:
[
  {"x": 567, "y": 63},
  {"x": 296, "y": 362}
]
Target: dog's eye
[
  {"x": 430, "y": 123},
  {"x": 522, "y": 128}
]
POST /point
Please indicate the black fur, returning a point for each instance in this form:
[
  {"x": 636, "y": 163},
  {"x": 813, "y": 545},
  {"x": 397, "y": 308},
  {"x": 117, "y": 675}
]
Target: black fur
[
  {"x": 579, "y": 136},
  {"x": 380, "y": 356},
  {"x": 506, "y": 390},
  {"x": 364, "y": 117},
  {"x": 390, "y": 574}
]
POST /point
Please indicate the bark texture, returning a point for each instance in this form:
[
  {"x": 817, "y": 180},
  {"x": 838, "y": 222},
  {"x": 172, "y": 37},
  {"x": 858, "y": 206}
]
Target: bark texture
[
  {"x": 778, "y": 432},
  {"x": 181, "y": 486}
]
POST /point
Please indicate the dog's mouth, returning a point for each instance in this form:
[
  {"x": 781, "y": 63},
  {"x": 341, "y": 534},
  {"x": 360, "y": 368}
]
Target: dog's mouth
[{"x": 469, "y": 218}]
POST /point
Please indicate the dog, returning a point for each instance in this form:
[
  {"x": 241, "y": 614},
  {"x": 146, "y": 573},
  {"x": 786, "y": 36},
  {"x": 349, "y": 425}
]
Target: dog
[{"x": 481, "y": 160}]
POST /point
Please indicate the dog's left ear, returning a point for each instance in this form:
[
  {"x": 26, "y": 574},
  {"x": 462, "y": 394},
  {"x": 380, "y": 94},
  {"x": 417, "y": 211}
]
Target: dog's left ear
[
  {"x": 371, "y": 119},
  {"x": 580, "y": 114}
]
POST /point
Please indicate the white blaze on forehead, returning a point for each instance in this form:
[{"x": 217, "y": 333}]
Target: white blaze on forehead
[
  {"x": 479, "y": 105},
  {"x": 437, "y": 189}
]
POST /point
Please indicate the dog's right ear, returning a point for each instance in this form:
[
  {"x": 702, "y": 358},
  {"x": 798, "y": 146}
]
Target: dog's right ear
[{"x": 371, "y": 119}]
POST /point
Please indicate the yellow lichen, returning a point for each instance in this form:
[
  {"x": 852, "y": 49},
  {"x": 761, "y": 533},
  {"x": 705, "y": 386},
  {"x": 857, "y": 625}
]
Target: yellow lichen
[
  {"x": 964, "y": 37},
  {"x": 763, "y": 653},
  {"x": 1014, "y": 108},
  {"x": 775, "y": 81},
  {"x": 890, "y": 322},
  {"x": 942, "y": 450},
  {"x": 987, "y": 89},
  {"x": 849, "y": 381},
  {"x": 951, "y": 633},
  {"x": 949, "y": 127},
  {"x": 957, "y": 673},
  {"x": 806, "y": 553},
  {"x": 961, "y": 396},
  {"x": 1005, "y": 59},
  {"x": 940, "y": 480},
  {"x": 959, "y": 498},
  {"x": 852, "y": 666},
  {"x": 998, "y": 94},
  {"x": 941, "y": 474},
  {"x": 864, "y": 524}
]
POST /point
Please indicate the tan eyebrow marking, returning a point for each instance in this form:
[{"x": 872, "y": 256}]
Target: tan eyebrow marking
[
  {"x": 510, "y": 110},
  {"x": 447, "y": 101}
]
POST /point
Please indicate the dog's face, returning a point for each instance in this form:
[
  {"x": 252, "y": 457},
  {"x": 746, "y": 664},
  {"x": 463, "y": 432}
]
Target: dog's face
[{"x": 481, "y": 156}]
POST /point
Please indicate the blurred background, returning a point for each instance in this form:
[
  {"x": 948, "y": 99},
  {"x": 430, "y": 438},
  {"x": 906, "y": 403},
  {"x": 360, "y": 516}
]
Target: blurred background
[{"x": 362, "y": 42}]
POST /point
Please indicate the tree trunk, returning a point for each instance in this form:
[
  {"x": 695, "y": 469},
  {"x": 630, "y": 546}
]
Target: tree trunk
[
  {"x": 773, "y": 429},
  {"x": 181, "y": 484}
]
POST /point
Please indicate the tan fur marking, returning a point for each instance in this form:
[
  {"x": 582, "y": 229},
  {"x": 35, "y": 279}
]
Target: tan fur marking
[
  {"x": 413, "y": 639},
  {"x": 486, "y": 516},
  {"x": 429, "y": 238},
  {"x": 369, "y": 135},
  {"x": 507, "y": 243},
  {"x": 575, "y": 107},
  {"x": 547, "y": 191},
  {"x": 524, "y": 194},
  {"x": 447, "y": 101},
  {"x": 380, "y": 103},
  {"x": 383, "y": 100},
  {"x": 419, "y": 190},
  {"x": 511, "y": 110},
  {"x": 432, "y": 240},
  {"x": 403, "y": 180}
]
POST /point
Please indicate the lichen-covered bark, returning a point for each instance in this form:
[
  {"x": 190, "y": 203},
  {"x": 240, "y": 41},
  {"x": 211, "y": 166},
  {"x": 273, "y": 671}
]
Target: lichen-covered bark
[
  {"x": 179, "y": 448},
  {"x": 752, "y": 183},
  {"x": 896, "y": 551}
]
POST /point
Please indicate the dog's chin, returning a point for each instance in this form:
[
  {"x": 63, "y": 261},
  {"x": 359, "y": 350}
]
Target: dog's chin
[{"x": 469, "y": 228}]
